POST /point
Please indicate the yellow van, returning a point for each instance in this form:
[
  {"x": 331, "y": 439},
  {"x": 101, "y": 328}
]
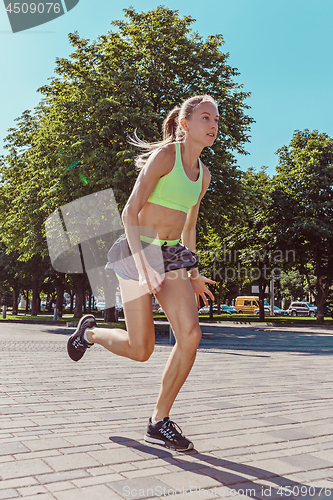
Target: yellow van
[{"x": 247, "y": 304}]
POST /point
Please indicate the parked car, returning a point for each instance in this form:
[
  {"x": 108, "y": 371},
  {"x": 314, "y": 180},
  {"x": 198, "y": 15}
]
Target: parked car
[
  {"x": 225, "y": 309},
  {"x": 204, "y": 310},
  {"x": 280, "y": 312},
  {"x": 301, "y": 309},
  {"x": 100, "y": 306},
  {"x": 160, "y": 310},
  {"x": 267, "y": 310},
  {"x": 277, "y": 311},
  {"x": 314, "y": 307}
]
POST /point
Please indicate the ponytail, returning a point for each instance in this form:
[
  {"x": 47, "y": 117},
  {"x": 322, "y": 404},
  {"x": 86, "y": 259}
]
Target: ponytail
[
  {"x": 170, "y": 125},
  {"x": 172, "y": 130}
]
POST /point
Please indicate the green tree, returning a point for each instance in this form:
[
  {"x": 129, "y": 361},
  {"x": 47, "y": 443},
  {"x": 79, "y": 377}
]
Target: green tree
[
  {"x": 294, "y": 286},
  {"x": 250, "y": 243},
  {"x": 302, "y": 208}
]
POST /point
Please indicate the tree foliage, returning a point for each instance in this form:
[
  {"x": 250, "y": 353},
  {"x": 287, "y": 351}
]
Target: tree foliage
[
  {"x": 126, "y": 80},
  {"x": 294, "y": 285},
  {"x": 249, "y": 240},
  {"x": 302, "y": 208}
]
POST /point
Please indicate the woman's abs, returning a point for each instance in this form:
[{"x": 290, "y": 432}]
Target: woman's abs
[{"x": 168, "y": 223}]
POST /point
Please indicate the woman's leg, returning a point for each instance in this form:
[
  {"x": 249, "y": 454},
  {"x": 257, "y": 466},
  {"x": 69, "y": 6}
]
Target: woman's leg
[
  {"x": 178, "y": 302},
  {"x": 139, "y": 340}
]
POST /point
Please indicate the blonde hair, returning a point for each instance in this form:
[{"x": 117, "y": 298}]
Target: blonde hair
[{"x": 172, "y": 130}]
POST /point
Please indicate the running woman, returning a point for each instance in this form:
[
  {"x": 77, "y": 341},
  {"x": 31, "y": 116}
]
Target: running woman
[{"x": 162, "y": 209}]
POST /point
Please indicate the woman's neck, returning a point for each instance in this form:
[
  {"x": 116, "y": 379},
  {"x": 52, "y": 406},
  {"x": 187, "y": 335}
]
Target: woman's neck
[{"x": 190, "y": 153}]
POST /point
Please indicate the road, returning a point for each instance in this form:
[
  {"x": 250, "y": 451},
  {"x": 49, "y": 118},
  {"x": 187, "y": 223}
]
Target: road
[{"x": 257, "y": 405}]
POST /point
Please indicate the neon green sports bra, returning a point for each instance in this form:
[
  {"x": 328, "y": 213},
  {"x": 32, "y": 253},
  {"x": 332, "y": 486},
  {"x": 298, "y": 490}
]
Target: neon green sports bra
[{"x": 175, "y": 190}]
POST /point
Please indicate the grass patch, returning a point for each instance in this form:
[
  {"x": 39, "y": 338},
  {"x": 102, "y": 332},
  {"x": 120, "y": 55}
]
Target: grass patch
[
  {"x": 253, "y": 318},
  {"x": 70, "y": 319},
  {"x": 233, "y": 318}
]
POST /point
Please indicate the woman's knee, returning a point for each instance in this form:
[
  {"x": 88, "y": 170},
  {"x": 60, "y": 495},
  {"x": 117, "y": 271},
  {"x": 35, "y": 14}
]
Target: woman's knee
[
  {"x": 141, "y": 343},
  {"x": 142, "y": 353},
  {"x": 189, "y": 338}
]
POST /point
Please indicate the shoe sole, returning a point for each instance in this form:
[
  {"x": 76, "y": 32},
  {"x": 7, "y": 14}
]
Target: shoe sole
[
  {"x": 152, "y": 440},
  {"x": 73, "y": 335}
]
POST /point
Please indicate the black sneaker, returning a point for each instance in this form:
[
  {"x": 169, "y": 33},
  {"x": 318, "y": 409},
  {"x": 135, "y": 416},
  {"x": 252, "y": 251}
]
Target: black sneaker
[
  {"x": 76, "y": 345},
  {"x": 169, "y": 434}
]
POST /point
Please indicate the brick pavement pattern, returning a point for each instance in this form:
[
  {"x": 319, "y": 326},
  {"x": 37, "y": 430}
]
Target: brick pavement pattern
[{"x": 257, "y": 404}]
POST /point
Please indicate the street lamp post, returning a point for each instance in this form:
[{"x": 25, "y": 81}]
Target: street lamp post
[{"x": 272, "y": 296}]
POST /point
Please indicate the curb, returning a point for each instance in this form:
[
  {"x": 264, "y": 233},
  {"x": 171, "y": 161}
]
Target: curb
[{"x": 32, "y": 322}]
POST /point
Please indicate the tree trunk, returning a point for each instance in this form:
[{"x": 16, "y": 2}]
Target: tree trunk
[
  {"x": 60, "y": 299},
  {"x": 322, "y": 288},
  {"x": 218, "y": 300},
  {"x": 60, "y": 288},
  {"x": 109, "y": 288},
  {"x": 110, "y": 315},
  {"x": 49, "y": 303},
  {"x": 212, "y": 288},
  {"x": 79, "y": 296},
  {"x": 27, "y": 302},
  {"x": 320, "y": 300},
  {"x": 71, "y": 306},
  {"x": 35, "y": 296},
  {"x": 16, "y": 297},
  {"x": 210, "y": 302}
]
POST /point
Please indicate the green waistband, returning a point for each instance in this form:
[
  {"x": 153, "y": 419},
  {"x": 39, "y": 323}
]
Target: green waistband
[{"x": 157, "y": 241}]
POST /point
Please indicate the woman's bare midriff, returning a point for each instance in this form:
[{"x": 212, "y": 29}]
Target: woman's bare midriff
[{"x": 167, "y": 222}]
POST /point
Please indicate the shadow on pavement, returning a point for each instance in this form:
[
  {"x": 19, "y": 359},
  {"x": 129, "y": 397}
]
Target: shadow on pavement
[
  {"x": 253, "y": 339},
  {"x": 242, "y": 479},
  {"x": 247, "y": 339}
]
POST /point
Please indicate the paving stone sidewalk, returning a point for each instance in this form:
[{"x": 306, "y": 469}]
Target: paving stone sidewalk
[{"x": 257, "y": 404}]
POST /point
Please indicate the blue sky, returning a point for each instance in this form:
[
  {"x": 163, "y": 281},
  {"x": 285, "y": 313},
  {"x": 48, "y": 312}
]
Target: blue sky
[{"x": 283, "y": 51}]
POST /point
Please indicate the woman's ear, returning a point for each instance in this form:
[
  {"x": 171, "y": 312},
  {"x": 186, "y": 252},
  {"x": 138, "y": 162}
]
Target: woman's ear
[{"x": 183, "y": 123}]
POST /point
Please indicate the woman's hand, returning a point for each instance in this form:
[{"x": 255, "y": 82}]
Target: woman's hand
[
  {"x": 198, "y": 283},
  {"x": 150, "y": 280}
]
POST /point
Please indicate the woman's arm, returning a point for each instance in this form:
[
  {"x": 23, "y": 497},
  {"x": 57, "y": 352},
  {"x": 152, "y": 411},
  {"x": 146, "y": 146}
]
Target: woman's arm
[
  {"x": 189, "y": 231},
  {"x": 198, "y": 282}
]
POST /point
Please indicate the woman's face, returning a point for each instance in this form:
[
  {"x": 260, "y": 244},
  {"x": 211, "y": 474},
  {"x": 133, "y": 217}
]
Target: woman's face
[{"x": 202, "y": 125}]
